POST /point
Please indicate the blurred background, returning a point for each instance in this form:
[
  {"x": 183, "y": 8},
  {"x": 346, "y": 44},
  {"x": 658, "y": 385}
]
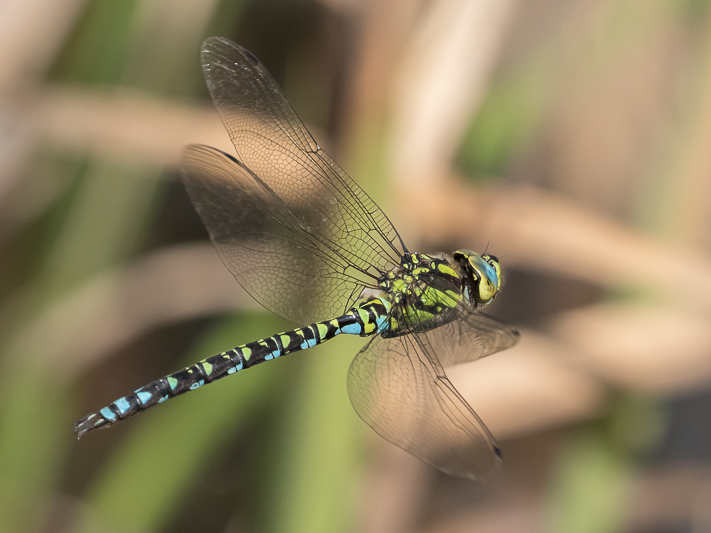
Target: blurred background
[{"x": 571, "y": 138}]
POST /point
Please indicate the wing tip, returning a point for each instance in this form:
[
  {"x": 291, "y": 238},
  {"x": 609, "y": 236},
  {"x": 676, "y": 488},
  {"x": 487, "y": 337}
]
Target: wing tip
[
  {"x": 222, "y": 45},
  {"x": 202, "y": 151},
  {"x": 212, "y": 42}
]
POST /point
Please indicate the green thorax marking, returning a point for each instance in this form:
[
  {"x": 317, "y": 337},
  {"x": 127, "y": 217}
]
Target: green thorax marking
[
  {"x": 417, "y": 269},
  {"x": 423, "y": 291}
]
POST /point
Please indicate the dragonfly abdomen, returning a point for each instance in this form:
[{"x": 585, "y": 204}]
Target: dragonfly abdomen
[
  {"x": 170, "y": 386},
  {"x": 366, "y": 319}
]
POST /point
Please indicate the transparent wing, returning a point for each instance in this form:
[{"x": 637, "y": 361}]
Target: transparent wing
[
  {"x": 471, "y": 336},
  {"x": 398, "y": 387},
  {"x": 284, "y": 266},
  {"x": 342, "y": 234}
]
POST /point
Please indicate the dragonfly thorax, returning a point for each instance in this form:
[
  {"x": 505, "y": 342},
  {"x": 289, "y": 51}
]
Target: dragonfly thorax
[{"x": 414, "y": 268}]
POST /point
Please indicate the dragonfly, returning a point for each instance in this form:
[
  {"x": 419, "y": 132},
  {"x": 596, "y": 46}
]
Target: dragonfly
[{"x": 306, "y": 242}]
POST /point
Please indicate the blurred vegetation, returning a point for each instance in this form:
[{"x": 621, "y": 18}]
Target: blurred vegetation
[{"x": 603, "y": 104}]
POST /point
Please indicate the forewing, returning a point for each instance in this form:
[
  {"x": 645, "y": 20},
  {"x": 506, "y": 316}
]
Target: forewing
[
  {"x": 397, "y": 388},
  {"x": 263, "y": 242},
  {"x": 273, "y": 143}
]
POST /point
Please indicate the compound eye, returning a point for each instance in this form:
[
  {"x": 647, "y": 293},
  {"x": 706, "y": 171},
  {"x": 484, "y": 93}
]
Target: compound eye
[
  {"x": 494, "y": 263},
  {"x": 487, "y": 290},
  {"x": 488, "y": 271}
]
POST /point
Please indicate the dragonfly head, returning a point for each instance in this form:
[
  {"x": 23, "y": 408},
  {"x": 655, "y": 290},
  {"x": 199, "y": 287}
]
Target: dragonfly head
[{"x": 482, "y": 276}]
